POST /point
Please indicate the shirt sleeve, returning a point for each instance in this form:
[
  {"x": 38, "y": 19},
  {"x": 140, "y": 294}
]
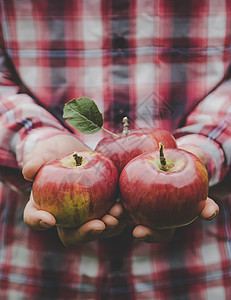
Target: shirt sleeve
[
  {"x": 22, "y": 121},
  {"x": 22, "y": 124},
  {"x": 209, "y": 127}
]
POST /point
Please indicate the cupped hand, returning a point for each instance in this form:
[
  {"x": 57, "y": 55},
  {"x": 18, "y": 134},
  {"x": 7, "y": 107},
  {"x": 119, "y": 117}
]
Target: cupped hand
[
  {"x": 46, "y": 150},
  {"x": 111, "y": 224},
  {"x": 149, "y": 235},
  {"x": 199, "y": 152}
]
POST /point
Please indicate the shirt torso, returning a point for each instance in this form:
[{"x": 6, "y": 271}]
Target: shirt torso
[{"x": 152, "y": 61}]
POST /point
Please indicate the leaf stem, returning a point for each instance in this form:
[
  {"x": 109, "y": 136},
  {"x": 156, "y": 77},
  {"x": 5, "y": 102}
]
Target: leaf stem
[{"x": 115, "y": 135}]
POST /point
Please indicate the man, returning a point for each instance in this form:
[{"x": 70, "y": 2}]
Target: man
[{"x": 161, "y": 63}]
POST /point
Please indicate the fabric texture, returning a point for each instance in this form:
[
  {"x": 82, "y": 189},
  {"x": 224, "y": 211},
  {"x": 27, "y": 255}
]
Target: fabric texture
[{"x": 162, "y": 64}]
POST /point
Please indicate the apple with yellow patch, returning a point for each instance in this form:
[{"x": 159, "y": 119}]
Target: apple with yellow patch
[{"x": 76, "y": 188}]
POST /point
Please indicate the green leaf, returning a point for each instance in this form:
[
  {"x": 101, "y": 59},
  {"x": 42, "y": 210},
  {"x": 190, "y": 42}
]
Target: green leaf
[{"x": 83, "y": 114}]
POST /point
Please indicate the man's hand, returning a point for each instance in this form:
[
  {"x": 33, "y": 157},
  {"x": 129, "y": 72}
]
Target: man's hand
[
  {"x": 47, "y": 150},
  {"x": 110, "y": 225},
  {"x": 148, "y": 235},
  {"x": 200, "y": 153},
  {"x": 209, "y": 212}
]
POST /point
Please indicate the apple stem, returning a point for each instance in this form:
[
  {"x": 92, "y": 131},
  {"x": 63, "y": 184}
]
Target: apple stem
[
  {"x": 78, "y": 159},
  {"x": 163, "y": 164},
  {"x": 125, "y": 126}
]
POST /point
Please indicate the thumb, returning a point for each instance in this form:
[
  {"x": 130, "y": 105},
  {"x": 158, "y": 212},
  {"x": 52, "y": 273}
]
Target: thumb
[
  {"x": 49, "y": 149},
  {"x": 210, "y": 210},
  {"x": 32, "y": 163}
]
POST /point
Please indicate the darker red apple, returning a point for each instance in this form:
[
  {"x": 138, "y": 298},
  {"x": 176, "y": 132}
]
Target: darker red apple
[
  {"x": 125, "y": 147},
  {"x": 76, "y": 188},
  {"x": 161, "y": 192}
]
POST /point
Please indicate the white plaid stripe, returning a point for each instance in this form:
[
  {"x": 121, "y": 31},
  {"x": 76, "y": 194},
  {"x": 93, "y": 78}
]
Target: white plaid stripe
[{"x": 216, "y": 292}]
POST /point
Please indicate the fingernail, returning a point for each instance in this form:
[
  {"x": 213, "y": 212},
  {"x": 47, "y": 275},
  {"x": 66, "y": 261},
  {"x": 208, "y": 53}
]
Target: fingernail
[
  {"x": 44, "y": 224},
  {"x": 96, "y": 233},
  {"x": 143, "y": 238},
  {"x": 212, "y": 216}
]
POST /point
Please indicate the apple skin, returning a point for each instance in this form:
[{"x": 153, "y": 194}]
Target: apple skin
[
  {"x": 124, "y": 148},
  {"x": 76, "y": 194},
  {"x": 163, "y": 199}
]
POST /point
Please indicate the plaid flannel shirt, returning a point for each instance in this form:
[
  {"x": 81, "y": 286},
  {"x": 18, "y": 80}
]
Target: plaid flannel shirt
[{"x": 161, "y": 63}]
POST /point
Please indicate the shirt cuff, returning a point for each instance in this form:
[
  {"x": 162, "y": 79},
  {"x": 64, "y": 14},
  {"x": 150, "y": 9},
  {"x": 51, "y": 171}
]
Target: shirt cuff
[{"x": 214, "y": 153}]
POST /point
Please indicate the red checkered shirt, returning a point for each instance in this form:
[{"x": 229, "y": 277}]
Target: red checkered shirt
[{"x": 163, "y": 64}]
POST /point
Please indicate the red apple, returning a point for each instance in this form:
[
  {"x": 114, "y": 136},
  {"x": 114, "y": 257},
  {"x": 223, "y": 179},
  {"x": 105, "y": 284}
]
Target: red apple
[
  {"x": 125, "y": 147},
  {"x": 164, "y": 193},
  {"x": 76, "y": 188}
]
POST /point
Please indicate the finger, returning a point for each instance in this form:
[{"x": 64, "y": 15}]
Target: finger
[
  {"x": 88, "y": 232},
  {"x": 32, "y": 164},
  {"x": 113, "y": 227},
  {"x": 119, "y": 212},
  {"x": 153, "y": 236},
  {"x": 115, "y": 221},
  {"x": 210, "y": 210},
  {"x": 37, "y": 219},
  {"x": 110, "y": 222}
]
